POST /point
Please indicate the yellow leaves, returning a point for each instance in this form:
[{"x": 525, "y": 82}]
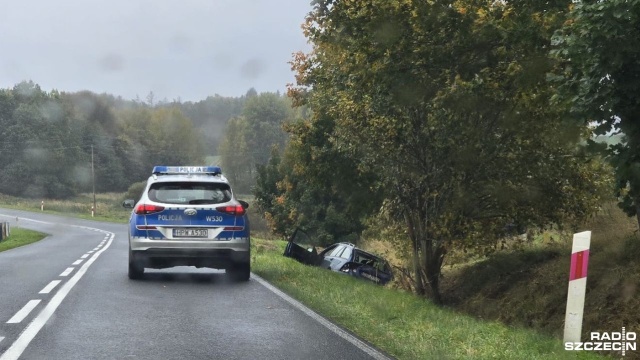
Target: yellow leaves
[
  {"x": 298, "y": 168},
  {"x": 459, "y": 6},
  {"x": 482, "y": 14}
]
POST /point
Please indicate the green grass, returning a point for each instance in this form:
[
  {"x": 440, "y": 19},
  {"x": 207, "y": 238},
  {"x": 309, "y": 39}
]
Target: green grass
[
  {"x": 108, "y": 206},
  {"x": 401, "y": 324},
  {"x": 19, "y": 237}
]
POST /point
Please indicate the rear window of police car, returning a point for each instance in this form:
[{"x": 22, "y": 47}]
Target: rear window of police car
[{"x": 190, "y": 192}]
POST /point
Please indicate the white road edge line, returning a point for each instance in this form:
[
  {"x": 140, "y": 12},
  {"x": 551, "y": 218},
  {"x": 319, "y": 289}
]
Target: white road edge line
[
  {"x": 47, "y": 289},
  {"x": 17, "y": 348},
  {"x": 24, "y": 312},
  {"x": 328, "y": 324},
  {"x": 67, "y": 271}
]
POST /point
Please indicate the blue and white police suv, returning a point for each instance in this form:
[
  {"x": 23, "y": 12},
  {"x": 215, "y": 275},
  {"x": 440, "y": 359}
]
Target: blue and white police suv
[{"x": 188, "y": 216}]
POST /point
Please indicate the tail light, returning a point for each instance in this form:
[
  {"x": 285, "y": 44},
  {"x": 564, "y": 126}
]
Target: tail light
[
  {"x": 146, "y": 227},
  {"x": 146, "y": 209},
  {"x": 237, "y": 210},
  {"x": 233, "y": 228}
]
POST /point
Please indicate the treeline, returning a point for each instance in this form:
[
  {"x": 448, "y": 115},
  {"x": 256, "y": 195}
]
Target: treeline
[
  {"x": 46, "y": 138},
  {"x": 46, "y": 141},
  {"x": 450, "y": 125}
]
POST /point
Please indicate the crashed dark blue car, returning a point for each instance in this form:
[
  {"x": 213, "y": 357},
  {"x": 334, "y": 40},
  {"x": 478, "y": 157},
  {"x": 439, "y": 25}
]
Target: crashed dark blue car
[{"x": 341, "y": 257}]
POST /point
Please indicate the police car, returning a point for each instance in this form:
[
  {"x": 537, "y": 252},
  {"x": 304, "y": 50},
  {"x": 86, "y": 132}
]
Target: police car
[{"x": 189, "y": 216}]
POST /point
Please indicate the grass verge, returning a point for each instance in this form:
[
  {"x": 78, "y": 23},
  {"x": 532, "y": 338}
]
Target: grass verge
[
  {"x": 108, "y": 205},
  {"x": 401, "y": 324},
  {"x": 528, "y": 287},
  {"x": 20, "y": 237}
]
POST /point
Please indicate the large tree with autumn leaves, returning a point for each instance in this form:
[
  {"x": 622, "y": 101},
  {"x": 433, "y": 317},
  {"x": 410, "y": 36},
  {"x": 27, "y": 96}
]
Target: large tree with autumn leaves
[{"x": 446, "y": 103}]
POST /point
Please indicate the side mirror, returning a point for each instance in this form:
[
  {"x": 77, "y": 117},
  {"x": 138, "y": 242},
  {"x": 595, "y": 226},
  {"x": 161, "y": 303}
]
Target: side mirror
[
  {"x": 245, "y": 205},
  {"x": 128, "y": 204}
]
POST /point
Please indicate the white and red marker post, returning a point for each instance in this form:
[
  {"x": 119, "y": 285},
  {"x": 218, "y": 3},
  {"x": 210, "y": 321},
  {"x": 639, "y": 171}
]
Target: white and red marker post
[{"x": 577, "y": 286}]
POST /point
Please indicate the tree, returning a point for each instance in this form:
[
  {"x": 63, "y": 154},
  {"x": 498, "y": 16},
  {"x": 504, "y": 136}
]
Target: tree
[
  {"x": 265, "y": 114},
  {"x": 236, "y": 159},
  {"x": 47, "y": 139},
  {"x": 211, "y": 116},
  {"x": 447, "y": 103},
  {"x": 599, "y": 47},
  {"x": 38, "y": 143},
  {"x": 249, "y": 138},
  {"x": 315, "y": 186}
]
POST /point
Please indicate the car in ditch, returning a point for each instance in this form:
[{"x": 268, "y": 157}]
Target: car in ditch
[{"x": 343, "y": 257}]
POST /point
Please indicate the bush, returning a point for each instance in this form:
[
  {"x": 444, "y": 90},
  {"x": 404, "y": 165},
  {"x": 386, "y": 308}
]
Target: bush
[{"x": 135, "y": 191}]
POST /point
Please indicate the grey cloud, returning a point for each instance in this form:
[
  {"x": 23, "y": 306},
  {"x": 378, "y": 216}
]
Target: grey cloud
[
  {"x": 180, "y": 43},
  {"x": 252, "y": 68},
  {"x": 112, "y": 62}
]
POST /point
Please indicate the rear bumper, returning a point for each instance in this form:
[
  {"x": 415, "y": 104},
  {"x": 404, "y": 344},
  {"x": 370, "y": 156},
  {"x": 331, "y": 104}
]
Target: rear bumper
[
  {"x": 212, "y": 254},
  {"x": 144, "y": 244}
]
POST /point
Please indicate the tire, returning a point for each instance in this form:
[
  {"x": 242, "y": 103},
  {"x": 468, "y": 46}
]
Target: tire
[
  {"x": 239, "y": 272},
  {"x": 136, "y": 268}
]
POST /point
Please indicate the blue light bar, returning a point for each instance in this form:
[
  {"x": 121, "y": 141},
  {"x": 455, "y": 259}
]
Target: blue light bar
[{"x": 167, "y": 170}]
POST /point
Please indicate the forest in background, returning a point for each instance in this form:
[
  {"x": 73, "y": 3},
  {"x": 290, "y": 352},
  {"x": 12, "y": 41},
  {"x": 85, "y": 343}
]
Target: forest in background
[{"x": 47, "y": 138}]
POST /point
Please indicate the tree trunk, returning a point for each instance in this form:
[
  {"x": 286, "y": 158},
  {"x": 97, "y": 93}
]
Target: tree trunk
[
  {"x": 638, "y": 212},
  {"x": 418, "y": 282},
  {"x": 428, "y": 255},
  {"x": 433, "y": 267}
]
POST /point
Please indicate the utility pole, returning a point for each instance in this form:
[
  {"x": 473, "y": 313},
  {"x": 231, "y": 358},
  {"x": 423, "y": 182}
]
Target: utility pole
[{"x": 93, "y": 180}]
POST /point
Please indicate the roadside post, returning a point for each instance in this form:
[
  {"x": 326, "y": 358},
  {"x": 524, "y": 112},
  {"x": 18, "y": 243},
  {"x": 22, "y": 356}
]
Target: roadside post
[
  {"x": 577, "y": 286},
  {"x": 4, "y": 230},
  {"x": 42, "y": 205},
  {"x": 92, "y": 210}
]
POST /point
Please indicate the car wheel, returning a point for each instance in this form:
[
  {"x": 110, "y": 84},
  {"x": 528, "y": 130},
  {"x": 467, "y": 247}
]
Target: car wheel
[
  {"x": 239, "y": 272},
  {"x": 136, "y": 269}
]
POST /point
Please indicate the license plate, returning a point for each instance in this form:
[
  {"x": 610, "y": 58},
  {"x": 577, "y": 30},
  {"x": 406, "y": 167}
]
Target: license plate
[{"x": 191, "y": 233}]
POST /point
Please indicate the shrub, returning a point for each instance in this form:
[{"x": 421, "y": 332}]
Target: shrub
[{"x": 135, "y": 191}]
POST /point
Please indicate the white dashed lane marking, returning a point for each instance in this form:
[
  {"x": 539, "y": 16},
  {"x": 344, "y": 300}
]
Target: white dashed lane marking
[
  {"x": 77, "y": 262},
  {"x": 24, "y": 312},
  {"x": 29, "y": 333},
  {"x": 84, "y": 256},
  {"x": 67, "y": 272},
  {"x": 47, "y": 289}
]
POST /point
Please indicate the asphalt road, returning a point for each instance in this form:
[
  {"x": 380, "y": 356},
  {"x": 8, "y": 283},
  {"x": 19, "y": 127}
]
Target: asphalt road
[{"x": 68, "y": 297}]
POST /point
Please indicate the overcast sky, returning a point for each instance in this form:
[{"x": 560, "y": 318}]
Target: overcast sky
[{"x": 186, "y": 49}]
